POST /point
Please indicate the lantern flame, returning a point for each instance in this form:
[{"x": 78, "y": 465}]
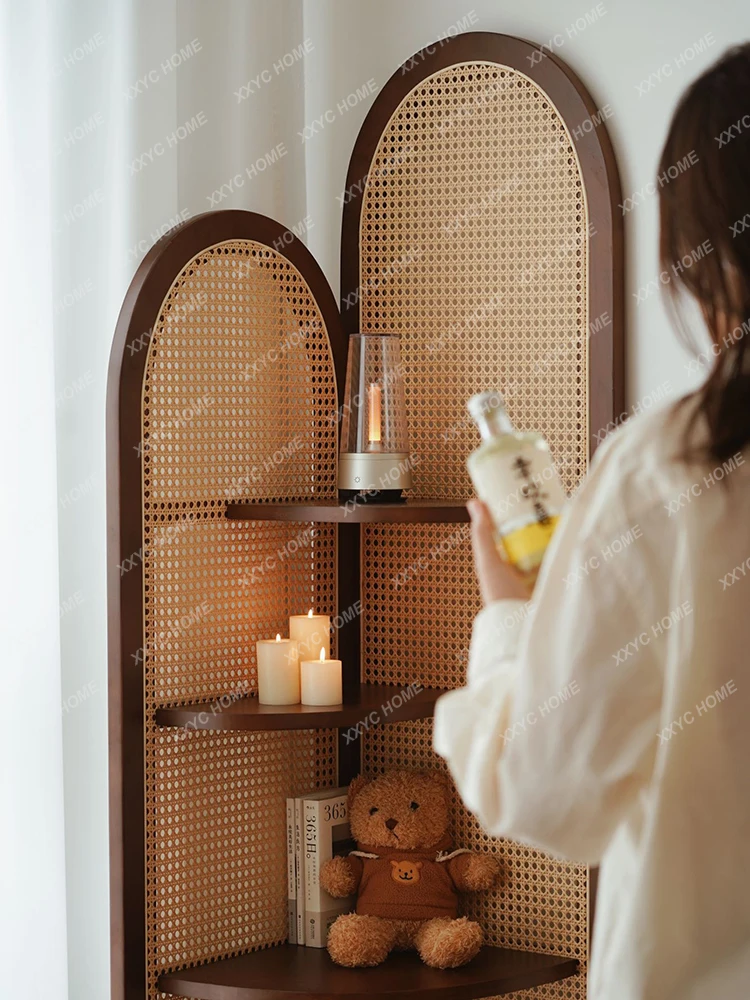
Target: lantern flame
[{"x": 322, "y": 654}]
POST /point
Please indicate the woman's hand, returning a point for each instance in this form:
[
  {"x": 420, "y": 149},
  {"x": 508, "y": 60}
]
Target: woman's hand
[{"x": 498, "y": 580}]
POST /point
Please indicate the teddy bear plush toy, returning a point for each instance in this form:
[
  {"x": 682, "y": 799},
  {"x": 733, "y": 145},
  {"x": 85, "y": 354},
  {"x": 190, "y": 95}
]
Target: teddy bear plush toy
[{"x": 406, "y": 874}]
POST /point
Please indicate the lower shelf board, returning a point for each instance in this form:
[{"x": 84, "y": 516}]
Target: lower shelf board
[{"x": 296, "y": 973}]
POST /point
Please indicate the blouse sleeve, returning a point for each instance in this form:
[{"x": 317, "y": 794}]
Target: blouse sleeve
[{"x": 554, "y": 735}]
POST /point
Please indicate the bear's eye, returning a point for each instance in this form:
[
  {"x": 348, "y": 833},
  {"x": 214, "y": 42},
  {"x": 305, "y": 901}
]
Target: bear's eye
[
  {"x": 373, "y": 810},
  {"x": 414, "y": 805}
]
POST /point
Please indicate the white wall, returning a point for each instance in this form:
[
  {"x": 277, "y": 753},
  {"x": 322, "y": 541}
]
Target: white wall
[
  {"x": 613, "y": 56},
  {"x": 353, "y": 41}
]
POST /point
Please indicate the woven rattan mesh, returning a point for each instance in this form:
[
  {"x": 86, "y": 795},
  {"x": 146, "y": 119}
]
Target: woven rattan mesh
[
  {"x": 239, "y": 365},
  {"x": 473, "y": 248}
]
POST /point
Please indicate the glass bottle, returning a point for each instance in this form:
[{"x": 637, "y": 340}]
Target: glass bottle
[{"x": 513, "y": 474}]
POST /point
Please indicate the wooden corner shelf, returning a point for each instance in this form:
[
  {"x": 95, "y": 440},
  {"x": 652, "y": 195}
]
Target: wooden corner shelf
[
  {"x": 248, "y": 713},
  {"x": 292, "y": 972},
  {"x": 411, "y": 512}
]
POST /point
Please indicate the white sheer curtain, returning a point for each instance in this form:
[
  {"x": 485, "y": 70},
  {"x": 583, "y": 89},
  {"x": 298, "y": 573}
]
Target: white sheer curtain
[
  {"x": 32, "y": 860},
  {"x": 119, "y": 119}
]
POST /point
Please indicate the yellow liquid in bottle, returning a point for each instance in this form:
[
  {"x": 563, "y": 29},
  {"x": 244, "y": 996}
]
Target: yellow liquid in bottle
[{"x": 524, "y": 548}]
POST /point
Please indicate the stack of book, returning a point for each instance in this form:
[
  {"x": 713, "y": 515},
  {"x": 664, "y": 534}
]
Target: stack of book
[{"x": 317, "y": 828}]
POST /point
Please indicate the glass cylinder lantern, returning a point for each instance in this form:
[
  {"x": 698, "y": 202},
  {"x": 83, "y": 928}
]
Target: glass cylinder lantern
[{"x": 374, "y": 463}]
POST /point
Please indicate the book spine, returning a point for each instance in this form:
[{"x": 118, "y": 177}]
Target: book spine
[
  {"x": 291, "y": 865},
  {"x": 313, "y": 930},
  {"x": 299, "y": 870}
]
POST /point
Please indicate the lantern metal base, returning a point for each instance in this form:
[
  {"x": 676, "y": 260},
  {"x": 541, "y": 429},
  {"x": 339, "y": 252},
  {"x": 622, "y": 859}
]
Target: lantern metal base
[{"x": 378, "y": 473}]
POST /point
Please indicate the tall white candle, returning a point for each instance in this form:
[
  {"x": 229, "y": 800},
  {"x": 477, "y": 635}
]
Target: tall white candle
[
  {"x": 278, "y": 671},
  {"x": 321, "y": 681},
  {"x": 311, "y": 632}
]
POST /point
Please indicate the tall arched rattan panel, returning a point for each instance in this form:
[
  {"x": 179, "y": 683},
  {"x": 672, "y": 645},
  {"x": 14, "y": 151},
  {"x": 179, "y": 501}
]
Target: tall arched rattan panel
[
  {"x": 223, "y": 376},
  {"x": 479, "y": 225}
]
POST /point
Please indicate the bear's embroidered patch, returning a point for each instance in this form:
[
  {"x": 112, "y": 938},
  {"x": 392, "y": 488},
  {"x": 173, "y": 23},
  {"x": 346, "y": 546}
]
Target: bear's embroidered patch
[{"x": 405, "y": 872}]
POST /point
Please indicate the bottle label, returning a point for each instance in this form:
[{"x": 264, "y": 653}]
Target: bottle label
[{"x": 522, "y": 489}]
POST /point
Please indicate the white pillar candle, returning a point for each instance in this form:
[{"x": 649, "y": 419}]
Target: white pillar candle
[
  {"x": 312, "y": 633},
  {"x": 321, "y": 681},
  {"x": 278, "y": 671}
]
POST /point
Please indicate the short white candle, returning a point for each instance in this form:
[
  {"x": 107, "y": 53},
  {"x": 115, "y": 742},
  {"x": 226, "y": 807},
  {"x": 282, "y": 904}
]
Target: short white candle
[
  {"x": 311, "y": 632},
  {"x": 321, "y": 681},
  {"x": 278, "y": 671}
]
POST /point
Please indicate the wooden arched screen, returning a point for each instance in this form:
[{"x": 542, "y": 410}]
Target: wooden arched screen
[
  {"x": 481, "y": 225},
  {"x": 224, "y": 370}
]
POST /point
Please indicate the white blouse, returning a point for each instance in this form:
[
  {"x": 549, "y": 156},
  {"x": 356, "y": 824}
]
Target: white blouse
[{"x": 608, "y": 721}]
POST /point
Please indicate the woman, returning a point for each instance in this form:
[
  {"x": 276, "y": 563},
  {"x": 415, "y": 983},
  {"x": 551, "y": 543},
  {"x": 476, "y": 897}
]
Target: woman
[{"x": 609, "y": 722}]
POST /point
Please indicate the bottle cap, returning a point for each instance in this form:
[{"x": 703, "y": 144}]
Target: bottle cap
[{"x": 485, "y": 403}]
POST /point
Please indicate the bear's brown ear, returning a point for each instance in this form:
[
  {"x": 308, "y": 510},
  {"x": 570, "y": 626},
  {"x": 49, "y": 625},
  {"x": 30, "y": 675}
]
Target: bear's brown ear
[
  {"x": 395, "y": 864},
  {"x": 355, "y": 787},
  {"x": 417, "y": 864}
]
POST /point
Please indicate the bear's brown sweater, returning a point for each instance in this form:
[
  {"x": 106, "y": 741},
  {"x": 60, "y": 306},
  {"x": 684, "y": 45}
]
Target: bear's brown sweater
[{"x": 408, "y": 885}]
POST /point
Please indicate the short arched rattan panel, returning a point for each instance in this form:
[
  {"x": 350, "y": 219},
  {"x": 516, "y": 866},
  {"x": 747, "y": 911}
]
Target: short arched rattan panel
[
  {"x": 480, "y": 225},
  {"x": 224, "y": 372}
]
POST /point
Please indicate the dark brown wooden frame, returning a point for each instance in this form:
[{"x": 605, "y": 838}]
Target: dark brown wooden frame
[
  {"x": 135, "y": 324},
  {"x": 601, "y": 180}
]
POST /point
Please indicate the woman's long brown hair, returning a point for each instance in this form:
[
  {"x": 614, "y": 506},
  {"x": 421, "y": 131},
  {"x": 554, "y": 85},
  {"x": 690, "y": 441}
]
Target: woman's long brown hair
[{"x": 704, "y": 246}]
